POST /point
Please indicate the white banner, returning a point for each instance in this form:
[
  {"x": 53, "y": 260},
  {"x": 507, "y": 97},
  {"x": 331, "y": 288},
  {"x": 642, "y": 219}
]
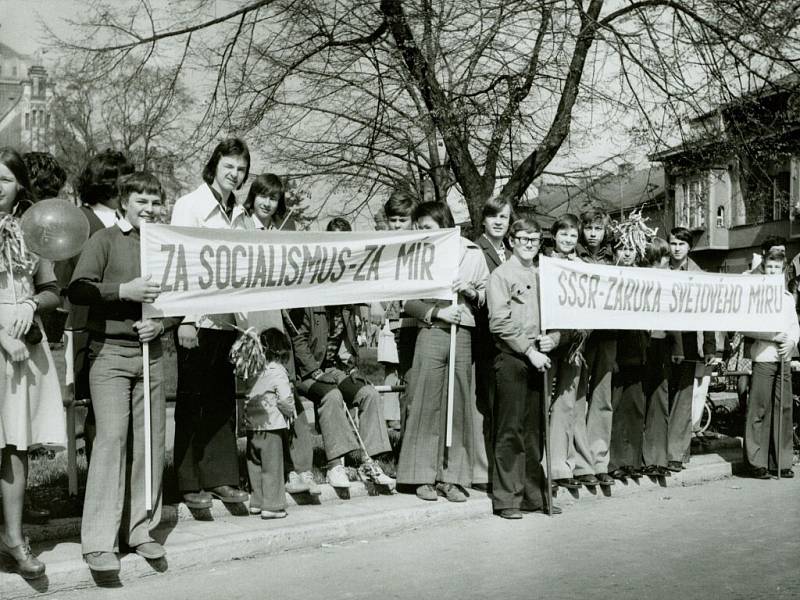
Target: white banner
[
  {"x": 212, "y": 271},
  {"x": 577, "y": 295}
]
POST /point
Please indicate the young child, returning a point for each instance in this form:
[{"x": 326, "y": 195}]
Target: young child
[
  {"x": 566, "y": 232},
  {"x": 108, "y": 280},
  {"x": 518, "y": 481},
  {"x": 768, "y": 351},
  {"x": 269, "y": 412}
]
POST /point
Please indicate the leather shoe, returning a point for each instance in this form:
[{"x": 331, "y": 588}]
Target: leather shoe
[
  {"x": 102, "y": 562},
  {"x": 451, "y": 492},
  {"x": 150, "y": 550},
  {"x": 229, "y": 495},
  {"x": 587, "y": 480},
  {"x": 568, "y": 483},
  {"x": 787, "y": 473},
  {"x": 197, "y": 500},
  {"x": 618, "y": 474},
  {"x": 509, "y": 513},
  {"x": 605, "y": 479},
  {"x": 675, "y": 466},
  {"x": 427, "y": 492},
  {"x": 27, "y": 564},
  {"x": 554, "y": 509},
  {"x": 760, "y": 473}
]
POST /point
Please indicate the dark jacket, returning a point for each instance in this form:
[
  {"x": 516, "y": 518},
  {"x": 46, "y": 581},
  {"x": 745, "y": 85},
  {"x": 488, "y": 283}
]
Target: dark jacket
[
  {"x": 482, "y": 338},
  {"x": 691, "y": 345},
  {"x": 490, "y": 254},
  {"x": 310, "y": 337},
  {"x": 605, "y": 255}
]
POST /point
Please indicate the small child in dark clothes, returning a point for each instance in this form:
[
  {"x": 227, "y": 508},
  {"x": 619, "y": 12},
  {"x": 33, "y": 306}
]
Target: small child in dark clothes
[{"x": 269, "y": 411}]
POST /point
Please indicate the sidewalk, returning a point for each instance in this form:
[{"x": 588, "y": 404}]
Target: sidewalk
[{"x": 216, "y": 536}]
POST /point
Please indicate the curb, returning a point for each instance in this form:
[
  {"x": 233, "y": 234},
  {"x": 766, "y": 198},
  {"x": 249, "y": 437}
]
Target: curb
[
  {"x": 362, "y": 518},
  {"x": 702, "y": 468},
  {"x": 62, "y": 529},
  {"x": 221, "y": 537}
]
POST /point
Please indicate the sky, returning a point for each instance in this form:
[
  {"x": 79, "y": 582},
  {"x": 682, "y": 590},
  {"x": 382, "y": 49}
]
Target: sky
[{"x": 21, "y": 28}]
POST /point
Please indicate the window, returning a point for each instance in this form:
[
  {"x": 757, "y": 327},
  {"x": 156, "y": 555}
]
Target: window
[
  {"x": 721, "y": 217},
  {"x": 698, "y": 194},
  {"x": 27, "y": 120},
  {"x": 693, "y": 202}
]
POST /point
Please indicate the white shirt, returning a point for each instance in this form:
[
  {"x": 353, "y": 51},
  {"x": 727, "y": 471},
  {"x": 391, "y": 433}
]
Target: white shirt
[
  {"x": 200, "y": 208},
  {"x": 107, "y": 215}
]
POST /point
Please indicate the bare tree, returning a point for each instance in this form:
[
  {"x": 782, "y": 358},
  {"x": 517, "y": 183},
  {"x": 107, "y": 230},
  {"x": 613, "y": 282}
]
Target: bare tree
[
  {"x": 389, "y": 92},
  {"x": 137, "y": 109}
]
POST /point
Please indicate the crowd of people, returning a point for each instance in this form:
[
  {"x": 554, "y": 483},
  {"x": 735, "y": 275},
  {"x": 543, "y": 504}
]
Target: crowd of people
[{"x": 618, "y": 403}]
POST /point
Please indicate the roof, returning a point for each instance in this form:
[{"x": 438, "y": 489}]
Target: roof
[
  {"x": 9, "y": 51},
  {"x": 769, "y": 89},
  {"x": 611, "y": 192}
]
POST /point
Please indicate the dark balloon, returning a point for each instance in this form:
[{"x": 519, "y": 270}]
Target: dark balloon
[{"x": 55, "y": 229}]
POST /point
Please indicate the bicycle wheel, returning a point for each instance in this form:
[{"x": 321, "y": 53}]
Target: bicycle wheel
[{"x": 705, "y": 419}]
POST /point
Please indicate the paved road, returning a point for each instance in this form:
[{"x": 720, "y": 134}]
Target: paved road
[{"x": 730, "y": 539}]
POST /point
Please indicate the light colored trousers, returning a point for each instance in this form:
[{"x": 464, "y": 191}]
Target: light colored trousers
[
  {"x": 594, "y": 408},
  {"x": 114, "y": 509},
  {"x": 563, "y": 416}
]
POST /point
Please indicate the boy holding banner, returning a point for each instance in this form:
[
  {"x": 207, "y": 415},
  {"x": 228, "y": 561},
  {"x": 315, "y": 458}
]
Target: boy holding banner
[
  {"x": 694, "y": 352},
  {"x": 593, "y": 406},
  {"x": 425, "y": 459},
  {"x": 107, "y": 279},
  {"x": 768, "y": 427},
  {"x": 518, "y": 480},
  {"x": 206, "y": 459},
  {"x": 567, "y": 362}
]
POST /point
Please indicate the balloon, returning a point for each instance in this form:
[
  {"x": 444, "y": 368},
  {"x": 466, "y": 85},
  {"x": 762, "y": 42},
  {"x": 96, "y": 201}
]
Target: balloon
[{"x": 55, "y": 229}]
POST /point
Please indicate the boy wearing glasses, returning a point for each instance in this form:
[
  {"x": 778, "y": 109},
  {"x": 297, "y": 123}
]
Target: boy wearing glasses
[{"x": 518, "y": 481}]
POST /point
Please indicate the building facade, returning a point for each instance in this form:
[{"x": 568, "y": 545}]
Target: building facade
[
  {"x": 26, "y": 100},
  {"x": 736, "y": 181}
]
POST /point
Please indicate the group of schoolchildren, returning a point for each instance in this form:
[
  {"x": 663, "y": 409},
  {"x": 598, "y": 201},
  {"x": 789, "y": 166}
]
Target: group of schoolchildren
[{"x": 620, "y": 402}]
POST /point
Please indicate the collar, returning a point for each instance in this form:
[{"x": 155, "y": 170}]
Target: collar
[
  {"x": 514, "y": 260},
  {"x": 209, "y": 200},
  {"x": 124, "y": 225},
  {"x": 604, "y": 251},
  {"x": 499, "y": 249}
]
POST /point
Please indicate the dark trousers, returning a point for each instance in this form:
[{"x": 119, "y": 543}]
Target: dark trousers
[
  {"x": 679, "y": 434},
  {"x": 518, "y": 477},
  {"x": 656, "y": 391},
  {"x": 205, "y": 440},
  {"x": 484, "y": 395},
  {"x": 265, "y": 469},
  {"x": 761, "y": 425},
  {"x": 627, "y": 427}
]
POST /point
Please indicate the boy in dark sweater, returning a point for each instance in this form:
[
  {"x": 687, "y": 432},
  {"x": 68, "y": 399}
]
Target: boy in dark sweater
[{"x": 108, "y": 280}]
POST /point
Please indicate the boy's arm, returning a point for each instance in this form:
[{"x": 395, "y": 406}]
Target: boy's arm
[{"x": 87, "y": 286}]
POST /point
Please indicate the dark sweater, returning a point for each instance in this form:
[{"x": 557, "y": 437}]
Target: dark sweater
[{"x": 110, "y": 257}]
